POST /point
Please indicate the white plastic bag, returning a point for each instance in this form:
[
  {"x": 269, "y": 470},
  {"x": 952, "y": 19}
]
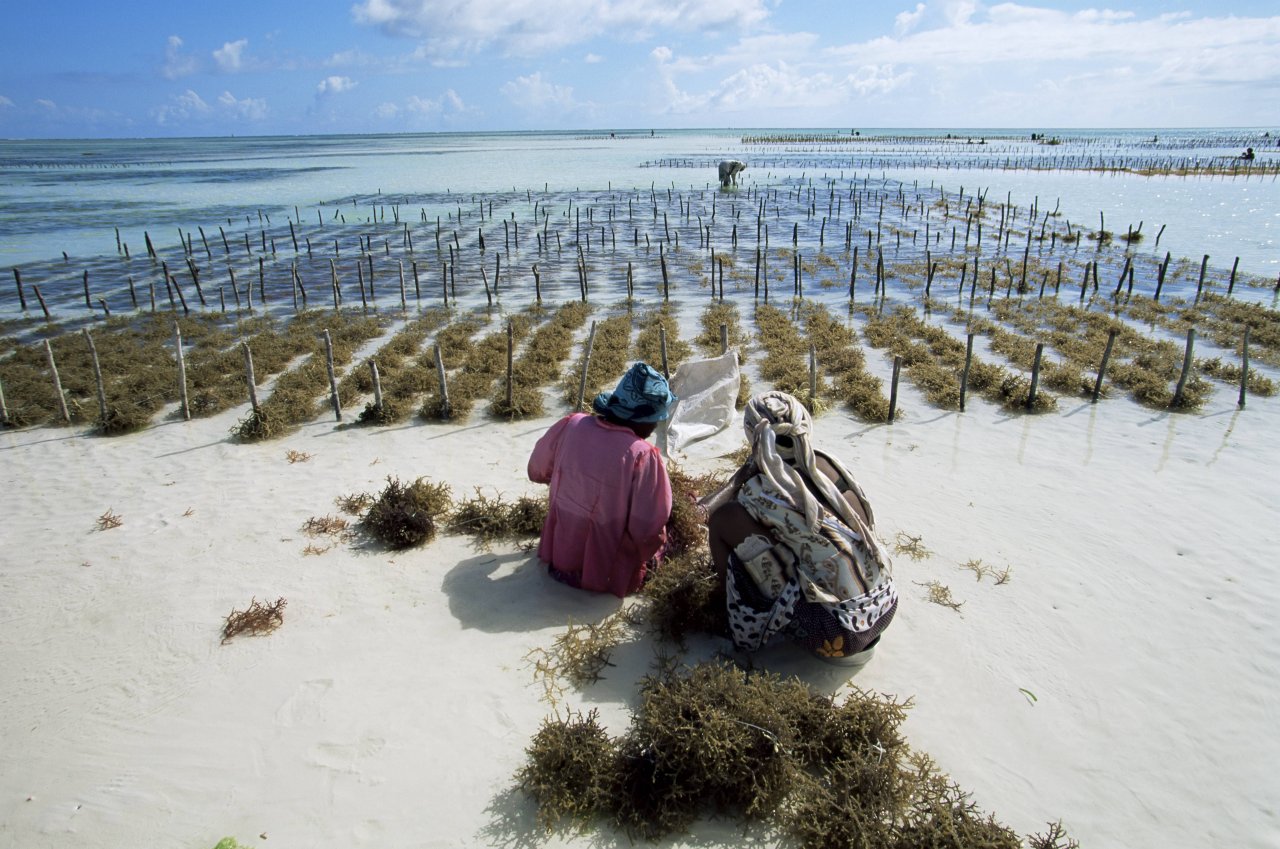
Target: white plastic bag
[{"x": 702, "y": 422}]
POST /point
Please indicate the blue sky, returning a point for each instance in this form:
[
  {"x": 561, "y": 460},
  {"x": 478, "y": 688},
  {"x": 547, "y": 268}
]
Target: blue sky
[{"x": 150, "y": 68}]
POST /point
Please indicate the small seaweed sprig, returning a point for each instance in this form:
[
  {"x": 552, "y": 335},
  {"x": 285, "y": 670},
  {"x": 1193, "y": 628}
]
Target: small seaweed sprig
[
  {"x": 904, "y": 543},
  {"x": 941, "y": 594},
  {"x": 109, "y": 520},
  {"x": 256, "y": 620}
]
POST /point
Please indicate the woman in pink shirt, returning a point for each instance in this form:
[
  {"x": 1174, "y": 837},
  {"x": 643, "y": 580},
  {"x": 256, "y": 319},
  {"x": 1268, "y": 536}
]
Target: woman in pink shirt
[{"x": 610, "y": 495}]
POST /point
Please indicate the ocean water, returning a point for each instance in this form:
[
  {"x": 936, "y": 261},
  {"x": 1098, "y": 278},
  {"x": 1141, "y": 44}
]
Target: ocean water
[{"x": 64, "y": 204}]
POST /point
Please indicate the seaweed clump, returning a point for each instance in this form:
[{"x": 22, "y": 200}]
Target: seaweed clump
[
  {"x": 388, "y": 412},
  {"x": 564, "y": 773},
  {"x": 123, "y": 417},
  {"x": 686, "y": 530},
  {"x": 716, "y": 739},
  {"x": 405, "y": 516},
  {"x": 685, "y": 598},
  {"x": 257, "y": 619},
  {"x": 258, "y": 425},
  {"x": 491, "y": 518}
]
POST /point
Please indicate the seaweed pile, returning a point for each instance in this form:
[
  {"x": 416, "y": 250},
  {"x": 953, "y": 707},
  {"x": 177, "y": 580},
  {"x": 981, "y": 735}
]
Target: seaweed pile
[{"x": 718, "y": 740}]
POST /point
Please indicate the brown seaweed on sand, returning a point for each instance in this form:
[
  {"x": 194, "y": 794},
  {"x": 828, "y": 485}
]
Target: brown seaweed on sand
[
  {"x": 404, "y": 516},
  {"x": 256, "y": 620},
  {"x": 717, "y": 740}
]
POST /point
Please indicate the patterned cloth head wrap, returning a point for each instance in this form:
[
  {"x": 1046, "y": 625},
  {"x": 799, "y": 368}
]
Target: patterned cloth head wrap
[
  {"x": 642, "y": 396},
  {"x": 770, "y": 415}
]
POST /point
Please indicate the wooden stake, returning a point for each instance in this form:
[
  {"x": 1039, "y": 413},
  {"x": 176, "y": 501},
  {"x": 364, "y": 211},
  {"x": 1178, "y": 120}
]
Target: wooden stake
[
  {"x": 1035, "y": 376},
  {"x": 586, "y": 363},
  {"x": 964, "y": 375},
  {"x": 1186, "y": 368},
  {"x": 181, "y": 297},
  {"x": 511, "y": 346},
  {"x": 1244, "y": 369},
  {"x": 662, "y": 342},
  {"x": 57, "y": 381},
  {"x": 813, "y": 374},
  {"x": 333, "y": 377},
  {"x": 22, "y": 299},
  {"x": 182, "y": 372},
  {"x": 195, "y": 279},
  {"x": 250, "y": 379},
  {"x": 445, "y": 412},
  {"x": 666, "y": 285},
  {"x": 893, "y": 390},
  {"x": 97, "y": 376},
  {"x": 1102, "y": 367},
  {"x": 377, "y": 384},
  {"x": 4, "y": 410}
]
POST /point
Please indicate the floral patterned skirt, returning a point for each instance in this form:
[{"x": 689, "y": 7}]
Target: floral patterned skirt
[{"x": 754, "y": 617}]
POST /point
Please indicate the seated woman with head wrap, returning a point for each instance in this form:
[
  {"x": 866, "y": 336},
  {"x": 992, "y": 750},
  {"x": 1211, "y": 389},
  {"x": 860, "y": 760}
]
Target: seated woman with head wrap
[
  {"x": 610, "y": 494},
  {"x": 793, "y": 540}
]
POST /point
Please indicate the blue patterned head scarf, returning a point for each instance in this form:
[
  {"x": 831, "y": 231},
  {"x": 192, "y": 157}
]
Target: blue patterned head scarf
[{"x": 642, "y": 396}]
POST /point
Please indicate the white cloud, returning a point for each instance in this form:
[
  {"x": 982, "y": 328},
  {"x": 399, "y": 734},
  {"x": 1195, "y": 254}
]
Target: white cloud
[
  {"x": 176, "y": 63},
  {"x": 46, "y": 104},
  {"x": 422, "y": 106},
  {"x": 957, "y": 13},
  {"x": 181, "y": 108},
  {"x": 349, "y": 59},
  {"x": 784, "y": 86},
  {"x": 533, "y": 93},
  {"x": 230, "y": 56},
  {"x": 247, "y": 109},
  {"x": 968, "y": 62},
  {"x": 905, "y": 22},
  {"x": 191, "y": 109},
  {"x": 525, "y": 28},
  {"x": 4, "y": 101},
  {"x": 593, "y": 58},
  {"x": 334, "y": 85},
  {"x": 416, "y": 108}
]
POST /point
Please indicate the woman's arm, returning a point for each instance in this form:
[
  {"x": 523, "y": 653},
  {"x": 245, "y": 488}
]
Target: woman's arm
[
  {"x": 650, "y": 504},
  {"x": 542, "y": 461}
]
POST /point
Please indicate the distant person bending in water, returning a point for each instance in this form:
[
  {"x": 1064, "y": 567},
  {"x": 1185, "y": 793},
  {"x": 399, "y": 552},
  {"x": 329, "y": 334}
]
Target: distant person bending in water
[
  {"x": 1248, "y": 153},
  {"x": 610, "y": 494},
  {"x": 793, "y": 541},
  {"x": 729, "y": 169}
]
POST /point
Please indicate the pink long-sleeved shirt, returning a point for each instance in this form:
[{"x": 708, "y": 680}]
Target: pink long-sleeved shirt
[{"x": 610, "y": 501}]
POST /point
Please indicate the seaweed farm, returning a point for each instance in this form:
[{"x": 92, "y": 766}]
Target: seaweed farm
[
  {"x": 442, "y": 306},
  {"x": 266, "y": 410}
]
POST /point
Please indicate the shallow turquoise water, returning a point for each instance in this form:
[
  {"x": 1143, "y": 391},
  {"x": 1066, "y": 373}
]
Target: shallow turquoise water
[{"x": 74, "y": 196}]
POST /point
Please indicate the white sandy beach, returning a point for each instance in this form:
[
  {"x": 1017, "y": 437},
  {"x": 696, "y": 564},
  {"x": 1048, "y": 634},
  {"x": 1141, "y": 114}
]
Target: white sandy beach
[{"x": 1123, "y": 680}]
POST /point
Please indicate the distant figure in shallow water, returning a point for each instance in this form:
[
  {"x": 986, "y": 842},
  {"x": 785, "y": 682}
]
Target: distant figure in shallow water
[
  {"x": 1248, "y": 153},
  {"x": 729, "y": 170}
]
